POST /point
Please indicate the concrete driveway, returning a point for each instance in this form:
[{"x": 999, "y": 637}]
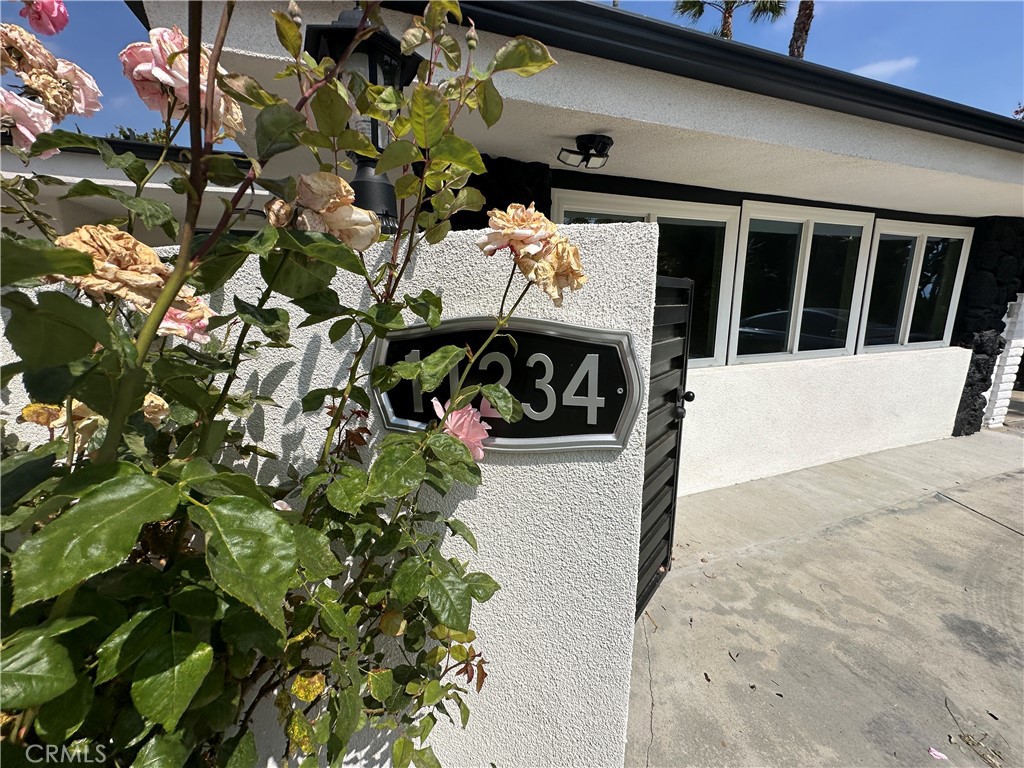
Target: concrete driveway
[{"x": 853, "y": 614}]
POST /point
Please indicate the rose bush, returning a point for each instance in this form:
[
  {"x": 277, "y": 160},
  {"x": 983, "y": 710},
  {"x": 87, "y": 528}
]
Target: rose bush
[{"x": 153, "y": 594}]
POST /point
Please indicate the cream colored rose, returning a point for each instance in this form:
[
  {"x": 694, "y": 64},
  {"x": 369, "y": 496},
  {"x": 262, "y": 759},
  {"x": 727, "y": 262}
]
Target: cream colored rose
[
  {"x": 21, "y": 51},
  {"x": 56, "y": 93},
  {"x": 356, "y": 227},
  {"x": 520, "y": 228},
  {"x": 310, "y": 221},
  {"x": 155, "y": 409},
  {"x": 122, "y": 266},
  {"x": 556, "y": 268},
  {"x": 323, "y": 192},
  {"x": 86, "y": 422},
  {"x": 279, "y": 212}
]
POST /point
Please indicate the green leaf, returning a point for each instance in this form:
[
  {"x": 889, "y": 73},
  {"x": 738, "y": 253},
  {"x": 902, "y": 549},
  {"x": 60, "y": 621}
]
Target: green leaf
[
  {"x": 436, "y": 366},
  {"x": 349, "y": 707},
  {"x": 277, "y": 129},
  {"x": 315, "y": 556},
  {"x": 489, "y": 102},
  {"x": 56, "y": 330},
  {"x": 522, "y": 55},
  {"x": 314, "y": 399},
  {"x": 20, "y": 474},
  {"x": 274, "y": 322},
  {"x": 222, "y": 170},
  {"x": 297, "y": 276},
  {"x": 409, "y": 579},
  {"x": 413, "y": 38},
  {"x": 425, "y": 758},
  {"x": 134, "y": 168},
  {"x": 504, "y": 403},
  {"x": 59, "y": 718},
  {"x": 84, "y": 478},
  {"x": 164, "y": 750},
  {"x": 91, "y": 537},
  {"x": 288, "y": 33},
  {"x": 339, "y": 329},
  {"x": 331, "y": 110},
  {"x": 453, "y": 149},
  {"x": 427, "y": 305},
  {"x": 247, "y": 90},
  {"x": 452, "y": 51},
  {"x": 35, "y": 673},
  {"x": 152, "y": 213},
  {"x": 397, "y": 470},
  {"x": 129, "y": 641},
  {"x": 322, "y": 247},
  {"x": 168, "y": 676},
  {"x": 352, "y": 140},
  {"x": 481, "y": 586},
  {"x": 201, "y": 476},
  {"x": 437, "y": 13},
  {"x": 401, "y": 752},
  {"x": 459, "y": 528},
  {"x": 250, "y": 551},
  {"x": 345, "y": 493},
  {"x": 243, "y": 753},
  {"x": 450, "y": 600},
  {"x": 381, "y": 683},
  {"x": 428, "y": 112},
  {"x": 398, "y": 153},
  {"x": 438, "y": 232},
  {"x": 22, "y": 259},
  {"x": 449, "y": 449},
  {"x": 283, "y": 188}
]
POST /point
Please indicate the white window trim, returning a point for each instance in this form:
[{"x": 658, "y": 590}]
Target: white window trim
[
  {"x": 808, "y": 217},
  {"x": 922, "y": 232},
  {"x": 651, "y": 209}
]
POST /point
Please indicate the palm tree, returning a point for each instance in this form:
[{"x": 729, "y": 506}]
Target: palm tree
[
  {"x": 801, "y": 28},
  {"x": 692, "y": 10}
]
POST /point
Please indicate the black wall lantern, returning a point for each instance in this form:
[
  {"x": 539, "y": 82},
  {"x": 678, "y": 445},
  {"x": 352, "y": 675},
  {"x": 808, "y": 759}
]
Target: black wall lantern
[
  {"x": 380, "y": 61},
  {"x": 591, "y": 151}
]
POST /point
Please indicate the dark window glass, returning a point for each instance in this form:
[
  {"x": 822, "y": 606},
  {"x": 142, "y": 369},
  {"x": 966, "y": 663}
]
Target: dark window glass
[
  {"x": 767, "y": 299},
  {"x": 694, "y": 249},
  {"x": 583, "y": 217},
  {"x": 889, "y": 289},
  {"x": 831, "y": 272},
  {"x": 935, "y": 288}
]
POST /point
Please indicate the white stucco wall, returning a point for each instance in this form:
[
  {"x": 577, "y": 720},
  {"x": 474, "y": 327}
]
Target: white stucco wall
[
  {"x": 559, "y": 531},
  {"x": 763, "y": 419}
]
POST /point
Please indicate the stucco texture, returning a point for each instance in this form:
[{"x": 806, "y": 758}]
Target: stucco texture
[{"x": 762, "y": 419}]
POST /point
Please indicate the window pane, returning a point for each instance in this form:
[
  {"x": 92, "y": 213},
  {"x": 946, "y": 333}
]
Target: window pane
[
  {"x": 831, "y": 272},
  {"x": 689, "y": 248},
  {"x": 935, "y": 288},
  {"x": 583, "y": 217},
  {"x": 889, "y": 289},
  {"x": 767, "y": 300}
]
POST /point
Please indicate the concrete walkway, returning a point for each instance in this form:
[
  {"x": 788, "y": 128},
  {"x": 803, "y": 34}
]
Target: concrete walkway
[{"x": 829, "y": 616}]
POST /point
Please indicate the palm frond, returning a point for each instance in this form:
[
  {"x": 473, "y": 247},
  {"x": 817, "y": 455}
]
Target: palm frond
[
  {"x": 690, "y": 9},
  {"x": 767, "y": 10}
]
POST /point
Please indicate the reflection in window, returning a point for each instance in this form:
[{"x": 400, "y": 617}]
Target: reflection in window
[
  {"x": 693, "y": 249},
  {"x": 893, "y": 261},
  {"x": 831, "y": 274},
  {"x": 584, "y": 217},
  {"x": 935, "y": 288},
  {"x": 772, "y": 251}
]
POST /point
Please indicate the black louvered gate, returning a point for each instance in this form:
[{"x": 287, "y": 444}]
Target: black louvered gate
[{"x": 665, "y": 413}]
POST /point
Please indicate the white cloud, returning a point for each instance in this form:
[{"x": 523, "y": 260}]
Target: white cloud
[{"x": 888, "y": 69}]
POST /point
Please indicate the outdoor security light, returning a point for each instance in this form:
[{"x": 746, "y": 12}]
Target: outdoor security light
[
  {"x": 591, "y": 151},
  {"x": 379, "y": 60}
]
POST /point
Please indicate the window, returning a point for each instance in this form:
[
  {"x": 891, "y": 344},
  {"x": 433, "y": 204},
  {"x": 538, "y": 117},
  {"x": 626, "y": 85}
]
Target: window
[
  {"x": 799, "y": 279},
  {"x": 914, "y": 280},
  {"x": 695, "y": 240}
]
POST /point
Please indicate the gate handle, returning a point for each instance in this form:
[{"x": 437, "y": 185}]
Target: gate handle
[
  {"x": 689, "y": 396},
  {"x": 680, "y": 408}
]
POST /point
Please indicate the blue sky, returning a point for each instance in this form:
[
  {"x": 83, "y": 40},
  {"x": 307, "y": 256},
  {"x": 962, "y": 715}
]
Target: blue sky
[{"x": 968, "y": 52}]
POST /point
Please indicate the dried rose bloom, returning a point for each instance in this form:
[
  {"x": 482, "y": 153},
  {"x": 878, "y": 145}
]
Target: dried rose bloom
[
  {"x": 86, "y": 422},
  {"x": 21, "y": 51},
  {"x": 43, "y": 414},
  {"x": 279, "y": 213},
  {"x": 155, "y": 409},
  {"x": 56, "y": 93},
  {"x": 520, "y": 228},
  {"x": 323, "y": 191}
]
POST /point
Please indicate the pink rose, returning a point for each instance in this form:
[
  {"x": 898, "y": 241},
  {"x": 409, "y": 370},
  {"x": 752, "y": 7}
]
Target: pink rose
[
  {"x": 29, "y": 117},
  {"x": 47, "y": 17},
  {"x": 86, "y": 92},
  {"x": 159, "y": 71},
  {"x": 464, "y": 425},
  {"x": 189, "y": 324}
]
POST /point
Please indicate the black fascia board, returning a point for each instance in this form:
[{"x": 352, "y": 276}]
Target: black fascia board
[{"x": 630, "y": 38}]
